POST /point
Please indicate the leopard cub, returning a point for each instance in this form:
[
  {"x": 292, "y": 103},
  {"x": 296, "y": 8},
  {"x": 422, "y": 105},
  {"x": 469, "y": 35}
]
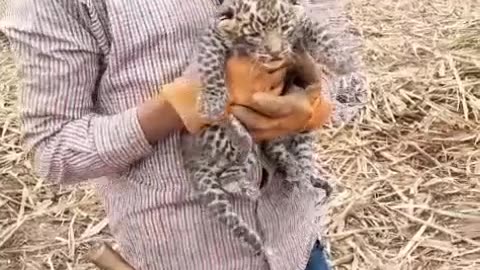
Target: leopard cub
[{"x": 219, "y": 158}]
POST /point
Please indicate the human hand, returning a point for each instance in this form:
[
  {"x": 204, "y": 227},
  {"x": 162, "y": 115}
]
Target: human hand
[
  {"x": 269, "y": 116},
  {"x": 244, "y": 77}
]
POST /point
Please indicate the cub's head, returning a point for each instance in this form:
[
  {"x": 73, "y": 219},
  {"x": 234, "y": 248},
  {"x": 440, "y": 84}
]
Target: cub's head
[{"x": 266, "y": 27}]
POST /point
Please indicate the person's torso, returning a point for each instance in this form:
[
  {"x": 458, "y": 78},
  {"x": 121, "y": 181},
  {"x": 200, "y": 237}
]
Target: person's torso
[{"x": 150, "y": 44}]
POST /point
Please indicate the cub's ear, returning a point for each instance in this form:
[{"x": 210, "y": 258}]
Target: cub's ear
[{"x": 299, "y": 11}]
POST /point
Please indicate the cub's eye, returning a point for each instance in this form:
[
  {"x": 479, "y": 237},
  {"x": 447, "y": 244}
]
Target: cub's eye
[
  {"x": 253, "y": 39},
  {"x": 285, "y": 28},
  {"x": 225, "y": 13}
]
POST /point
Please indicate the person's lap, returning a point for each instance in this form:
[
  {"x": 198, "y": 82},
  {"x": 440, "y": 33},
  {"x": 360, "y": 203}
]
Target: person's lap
[{"x": 317, "y": 259}]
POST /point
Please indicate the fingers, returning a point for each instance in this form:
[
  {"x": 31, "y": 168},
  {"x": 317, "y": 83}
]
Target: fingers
[
  {"x": 261, "y": 128},
  {"x": 276, "y": 78},
  {"x": 271, "y": 105},
  {"x": 253, "y": 120},
  {"x": 294, "y": 103}
]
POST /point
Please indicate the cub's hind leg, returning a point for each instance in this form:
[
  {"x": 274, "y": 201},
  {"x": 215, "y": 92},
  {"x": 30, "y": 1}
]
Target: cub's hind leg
[
  {"x": 215, "y": 198},
  {"x": 235, "y": 178},
  {"x": 303, "y": 149},
  {"x": 277, "y": 152}
]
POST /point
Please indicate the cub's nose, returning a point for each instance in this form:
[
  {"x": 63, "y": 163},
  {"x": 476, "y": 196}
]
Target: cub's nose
[
  {"x": 275, "y": 54},
  {"x": 273, "y": 45}
]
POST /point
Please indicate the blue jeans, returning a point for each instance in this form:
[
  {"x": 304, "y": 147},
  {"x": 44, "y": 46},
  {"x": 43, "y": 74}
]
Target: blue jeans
[{"x": 317, "y": 259}]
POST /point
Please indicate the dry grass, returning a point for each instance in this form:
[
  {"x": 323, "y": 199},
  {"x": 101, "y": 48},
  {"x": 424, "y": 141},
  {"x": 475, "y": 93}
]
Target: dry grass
[{"x": 408, "y": 170}]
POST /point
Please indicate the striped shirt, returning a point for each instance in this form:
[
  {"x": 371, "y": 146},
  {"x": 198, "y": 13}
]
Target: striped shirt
[{"x": 85, "y": 66}]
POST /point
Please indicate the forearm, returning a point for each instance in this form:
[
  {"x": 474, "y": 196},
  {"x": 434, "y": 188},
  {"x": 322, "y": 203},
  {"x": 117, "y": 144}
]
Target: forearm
[
  {"x": 148, "y": 114},
  {"x": 90, "y": 147},
  {"x": 97, "y": 145}
]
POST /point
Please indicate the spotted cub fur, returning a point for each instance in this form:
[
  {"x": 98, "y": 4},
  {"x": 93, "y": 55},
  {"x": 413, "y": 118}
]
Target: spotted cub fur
[{"x": 219, "y": 158}]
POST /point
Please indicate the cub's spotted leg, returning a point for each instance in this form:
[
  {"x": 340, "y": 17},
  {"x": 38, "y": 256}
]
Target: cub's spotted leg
[
  {"x": 325, "y": 47},
  {"x": 247, "y": 186},
  {"x": 277, "y": 151},
  {"x": 233, "y": 141},
  {"x": 216, "y": 146},
  {"x": 217, "y": 203},
  {"x": 239, "y": 138},
  {"x": 235, "y": 179},
  {"x": 216, "y": 155},
  {"x": 303, "y": 150},
  {"x": 213, "y": 99}
]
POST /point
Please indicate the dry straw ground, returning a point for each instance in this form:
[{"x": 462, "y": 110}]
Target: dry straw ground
[{"x": 409, "y": 169}]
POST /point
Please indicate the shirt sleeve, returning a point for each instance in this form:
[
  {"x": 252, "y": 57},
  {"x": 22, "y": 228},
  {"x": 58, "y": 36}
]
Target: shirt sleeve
[
  {"x": 348, "y": 92},
  {"x": 59, "y": 54}
]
